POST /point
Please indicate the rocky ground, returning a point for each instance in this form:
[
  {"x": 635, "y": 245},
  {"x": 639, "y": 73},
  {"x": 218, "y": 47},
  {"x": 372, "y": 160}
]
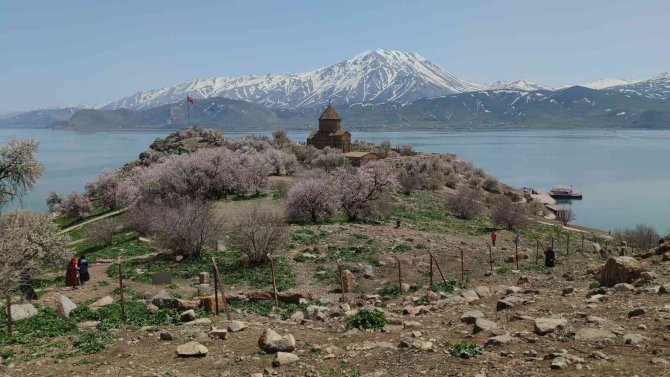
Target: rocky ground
[{"x": 527, "y": 321}]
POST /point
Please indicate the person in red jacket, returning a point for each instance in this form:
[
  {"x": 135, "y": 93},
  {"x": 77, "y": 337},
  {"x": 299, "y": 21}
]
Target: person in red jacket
[{"x": 494, "y": 236}]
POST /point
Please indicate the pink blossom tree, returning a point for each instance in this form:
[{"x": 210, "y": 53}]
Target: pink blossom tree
[
  {"x": 104, "y": 188},
  {"x": 76, "y": 206},
  {"x": 363, "y": 188},
  {"x": 312, "y": 198}
]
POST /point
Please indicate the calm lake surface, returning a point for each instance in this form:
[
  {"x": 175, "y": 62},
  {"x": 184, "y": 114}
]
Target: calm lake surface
[{"x": 624, "y": 175}]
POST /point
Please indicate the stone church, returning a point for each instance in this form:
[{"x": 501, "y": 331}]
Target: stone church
[{"x": 330, "y": 133}]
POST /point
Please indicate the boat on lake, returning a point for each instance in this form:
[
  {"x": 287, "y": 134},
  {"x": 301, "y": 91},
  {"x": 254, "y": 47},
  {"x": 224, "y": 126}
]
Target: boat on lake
[{"x": 564, "y": 192}]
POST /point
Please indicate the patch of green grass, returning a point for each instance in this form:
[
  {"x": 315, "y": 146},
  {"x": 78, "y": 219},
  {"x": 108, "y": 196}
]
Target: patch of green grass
[
  {"x": 503, "y": 270},
  {"x": 367, "y": 253},
  {"x": 535, "y": 267},
  {"x": 266, "y": 307},
  {"x": 123, "y": 244},
  {"x": 136, "y": 315},
  {"x": 449, "y": 287},
  {"x": 388, "y": 291},
  {"x": 91, "y": 342},
  {"x": 65, "y": 222},
  {"x": 368, "y": 320},
  {"x": 46, "y": 324},
  {"x": 465, "y": 350},
  {"x": 307, "y": 236},
  {"x": 258, "y": 276}
]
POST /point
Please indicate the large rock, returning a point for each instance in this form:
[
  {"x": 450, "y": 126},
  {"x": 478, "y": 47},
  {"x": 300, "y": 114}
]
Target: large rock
[
  {"x": 284, "y": 358},
  {"x": 192, "y": 349},
  {"x": 22, "y": 311},
  {"x": 545, "y": 326},
  {"x": 619, "y": 270},
  {"x": 483, "y": 324},
  {"x": 498, "y": 340},
  {"x": 348, "y": 281},
  {"x": 510, "y": 302},
  {"x": 593, "y": 335},
  {"x": 317, "y": 313},
  {"x": 65, "y": 306},
  {"x": 271, "y": 342},
  {"x": 235, "y": 326},
  {"x": 107, "y": 300},
  {"x": 471, "y": 316},
  {"x": 163, "y": 300},
  {"x": 188, "y": 316}
]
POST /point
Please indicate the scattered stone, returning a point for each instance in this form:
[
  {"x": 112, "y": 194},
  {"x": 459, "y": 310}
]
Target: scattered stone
[
  {"x": 658, "y": 360},
  {"x": 188, "y": 316},
  {"x": 416, "y": 344},
  {"x": 498, "y": 340},
  {"x": 633, "y": 339},
  {"x": 664, "y": 289},
  {"x": 204, "y": 290},
  {"x": 298, "y": 316},
  {"x": 469, "y": 295},
  {"x": 483, "y": 324},
  {"x": 568, "y": 290},
  {"x": 483, "y": 291},
  {"x": 596, "y": 299},
  {"x": 451, "y": 300},
  {"x": 545, "y": 326},
  {"x": 368, "y": 271},
  {"x": 218, "y": 333},
  {"x": 637, "y": 312},
  {"x": 320, "y": 313},
  {"x": 592, "y": 334},
  {"x": 88, "y": 325},
  {"x": 199, "y": 321},
  {"x": 471, "y": 316},
  {"x": 65, "y": 306},
  {"x": 165, "y": 335},
  {"x": 512, "y": 290},
  {"x": 433, "y": 296},
  {"x": 192, "y": 349},
  {"x": 619, "y": 270},
  {"x": 510, "y": 302},
  {"x": 348, "y": 281},
  {"x": 107, "y": 300},
  {"x": 623, "y": 287},
  {"x": 203, "y": 278},
  {"x": 599, "y": 356},
  {"x": 271, "y": 342},
  {"x": 235, "y": 326},
  {"x": 415, "y": 310},
  {"x": 284, "y": 358}
]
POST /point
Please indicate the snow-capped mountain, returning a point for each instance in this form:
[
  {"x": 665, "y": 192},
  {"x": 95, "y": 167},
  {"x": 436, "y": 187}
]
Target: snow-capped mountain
[
  {"x": 371, "y": 76},
  {"x": 654, "y": 87},
  {"x": 608, "y": 83},
  {"x": 521, "y": 85}
]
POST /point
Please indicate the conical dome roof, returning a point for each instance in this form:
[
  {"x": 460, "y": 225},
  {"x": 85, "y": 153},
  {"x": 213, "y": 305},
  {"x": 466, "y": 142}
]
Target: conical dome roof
[{"x": 330, "y": 114}]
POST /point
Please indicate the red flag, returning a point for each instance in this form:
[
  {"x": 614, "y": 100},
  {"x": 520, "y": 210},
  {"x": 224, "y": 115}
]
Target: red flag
[{"x": 189, "y": 99}]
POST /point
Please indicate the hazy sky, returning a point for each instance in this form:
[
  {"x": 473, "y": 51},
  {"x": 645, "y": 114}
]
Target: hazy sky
[{"x": 55, "y": 53}]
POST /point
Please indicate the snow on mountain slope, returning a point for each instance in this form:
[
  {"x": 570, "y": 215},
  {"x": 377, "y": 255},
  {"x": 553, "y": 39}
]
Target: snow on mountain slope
[
  {"x": 654, "y": 87},
  {"x": 608, "y": 83},
  {"x": 522, "y": 85},
  {"x": 378, "y": 75}
]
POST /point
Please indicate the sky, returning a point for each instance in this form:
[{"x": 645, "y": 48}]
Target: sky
[{"x": 56, "y": 53}]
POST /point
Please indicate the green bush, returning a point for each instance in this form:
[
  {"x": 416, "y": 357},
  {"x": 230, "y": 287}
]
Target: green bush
[
  {"x": 46, "y": 324},
  {"x": 449, "y": 287},
  {"x": 389, "y": 290},
  {"x": 266, "y": 307},
  {"x": 465, "y": 350},
  {"x": 136, "y": 315},
  {"x": 367, "y": 319},
  {"x": 91, "y": 342}
]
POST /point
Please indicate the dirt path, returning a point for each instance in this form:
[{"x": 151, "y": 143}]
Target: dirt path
[{"x": 110, "y": 214}]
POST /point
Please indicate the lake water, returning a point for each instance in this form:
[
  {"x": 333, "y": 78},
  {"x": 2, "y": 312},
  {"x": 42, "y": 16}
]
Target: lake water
[{"x": 624, "y": 175}]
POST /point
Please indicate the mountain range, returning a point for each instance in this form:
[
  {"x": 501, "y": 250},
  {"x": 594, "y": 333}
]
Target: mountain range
[{"x": 379, "y": 88}]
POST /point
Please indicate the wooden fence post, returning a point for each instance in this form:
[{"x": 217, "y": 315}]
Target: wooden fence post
[
  {"x": 216, "y": 289},
  {"x": 582, "y": 242},
  {"x": 552, "y": 241},
  {"x": 490, "y": 255},
  {"x": 438, "y": 268},
  {"x": 339, "y": 268},
  {"x": 431, "y": 270},
  {"x": 516, "y": 253},
  {"x": 462, "y": 265},
  {"x": 217, "y": 283},
  {"x": 121, "y": 299},
  {"x": 399, "y": 274},
  {"x": 537, "y": 250},
  {"x": 9, "y": 314},
  {"x": 274, "y": 282},
  {"x": 567, "y": 246}
]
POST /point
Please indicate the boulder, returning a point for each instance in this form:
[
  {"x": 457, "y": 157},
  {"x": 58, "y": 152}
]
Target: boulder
[
  {"x": 619, "y": 270},
  {"x": 65, "y": 306},
  {"x": 483, "y": 324},
  {"x": 471, "y": 316},
  {"x": 368, "y": 271},
  {"x": 623, "y": 287},
  {"x": 637, "y": 312},
  {"x": 218, "y": 333},
  {"x": 199, "y": 321},
  {"x": 545, "y": 326},
  {"x": 593, "y": 335},
  {"x": 164, "y": 335},
  {"x": 633, "y": 339},
  {"x": 192, "y": 349},
  {"x": 510, "y": 302},
  {"x": 235, "y": 326},
  {"x": 498, "y": 340},
  {"x": 271, "y": 342},
  {"x": 451, "y": 300},
  {"x": 284, "y": 358},
  {"x": 317, "y": 313},
  {"x": 512, "y": 290},
  {"x": 107, "y": 300},
  {"x": 151, "y": 308},
  {"x": 483, "y": 291},
  {"x": 187, "y": 316},
  {"x": 469, "y": 295}
]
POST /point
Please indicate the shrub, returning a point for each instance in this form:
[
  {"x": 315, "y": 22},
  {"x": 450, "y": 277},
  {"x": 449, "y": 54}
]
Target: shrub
[
  {"x": 465, "y": 350},
  {"x": 312, "y": 198},
  {"x": 54, "y": 201},
  {"x": 76, "y": 206},
  {"x": 282, "y": 188},
  {"x": 508, "y": 215},
  {"x": 466, "y": 203},
  {"x": 101, "y": 232},
  {"x": 281, "y": 138},
  {"x": 449, "y": 287},
  {"x": 407, "y": 150},
  {"x": 280, "y": 162},
  {"x": 641, "y": 237},
  {"x": 187, "y": 228},
  {"x": 368, "y": 320},
  {"x": 451, "y": 181},
  {"x": 407, "y": 181},
  {"x": 258, "y": 231},
  {"x": 491, "y": 185},
  {"x": 565, "y": 215},
  {"x": 330, "y": 159}
]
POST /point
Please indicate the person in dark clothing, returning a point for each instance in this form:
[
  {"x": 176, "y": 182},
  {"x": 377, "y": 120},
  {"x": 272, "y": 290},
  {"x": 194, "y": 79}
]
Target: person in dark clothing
[
  {"x": 494, "y": 237},
  {"x": 83, "y": 270},
  {"x": 71, "y": 277},
  {"x": 549, "y": 257}
]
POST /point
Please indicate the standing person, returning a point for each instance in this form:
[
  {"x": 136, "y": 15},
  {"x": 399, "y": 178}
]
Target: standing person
[
  {"x": 494, "y": 237},
  {"x": 71, "y": 274},
  {"x": 549, "y": 257},
  {"x": 83, "y": 270}
]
